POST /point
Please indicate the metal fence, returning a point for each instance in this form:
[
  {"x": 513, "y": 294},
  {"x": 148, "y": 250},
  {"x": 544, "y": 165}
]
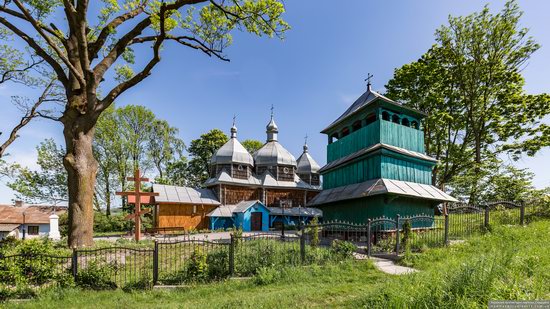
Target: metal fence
[{"x": 180, "y": 261}]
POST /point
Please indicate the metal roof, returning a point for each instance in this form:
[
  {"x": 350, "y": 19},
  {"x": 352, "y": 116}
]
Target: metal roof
[
  {"x": 372, "y": 148},
  {"x": 364, "y": 100},
  {"x": 184, "y": 195},
  {"x": 229, "y": 210},
  {"x": 306, "y": 164},
  {"x": 381, "y": 186},
  {"x": 296, "y": 211},
  {"x": 266, "y": 180},
  {"x": 232, "y": 152},
  {"x": 273, "y": 153}
]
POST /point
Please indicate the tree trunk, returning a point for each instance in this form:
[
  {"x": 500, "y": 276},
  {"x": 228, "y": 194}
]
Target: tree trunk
[
  {"x": 107, "y": 196},
  {"x": 81, "y": 168}
]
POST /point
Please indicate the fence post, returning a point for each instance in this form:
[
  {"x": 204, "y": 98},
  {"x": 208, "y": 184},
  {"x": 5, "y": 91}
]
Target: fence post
[
  {"x": 156, "y": 263},
  {"x": 303, "y": 244},
  {"x": 486, "y": 216},
  {"x": 397, "y": 234},
  {"x": 232, "y": 256},
  {"x": 369, "y": 240},
  {"x": 522, "y": 213},
  {"x": 446, "y": 229},
  {"x": 74, "y": 263}
]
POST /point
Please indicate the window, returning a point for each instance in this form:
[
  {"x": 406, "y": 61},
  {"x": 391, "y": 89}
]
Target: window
[
  {"x": 385, "y": 116},
  {"x": 240, "y": 167},
  {"x": 356, "y": 125},
  {"x": 286, "y": 170},
  {"x": 194, "y": 209},
  {"x": 405, "y": 122},
  {"x": 334, "y": 137},
  {"x": 414, "y": 124},
  {"x": 345, "y": 132},
  {"x": 370, "y": 119},
  {"x": 395, "y": 119},
  {"x": 33, "y": 229}
]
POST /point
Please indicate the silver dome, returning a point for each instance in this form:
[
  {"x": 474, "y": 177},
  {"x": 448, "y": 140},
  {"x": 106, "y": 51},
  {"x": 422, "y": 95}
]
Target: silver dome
[
  {"x": 306, "y": 164},
  {"x": 273, "y": 153},
  {"x": 232, "y": 152}
]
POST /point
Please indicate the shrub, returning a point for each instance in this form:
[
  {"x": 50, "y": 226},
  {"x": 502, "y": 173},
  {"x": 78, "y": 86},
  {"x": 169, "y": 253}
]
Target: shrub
[
  {"x": 266, "y": 275},
  {"x": 314, "y": 232},
  {"x": 112, "y": 223},
  {"x": 218, "y": 264},
  {"x": 97, "y": 275},
  {"x": 197, "y": 267},
  {"x": 342, "y": 249}
]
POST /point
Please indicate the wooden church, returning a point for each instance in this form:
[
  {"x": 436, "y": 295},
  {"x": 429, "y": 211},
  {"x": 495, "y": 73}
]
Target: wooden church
[
  {"x": 376, "y": 163},
  {"x": 252, "y": 191}
]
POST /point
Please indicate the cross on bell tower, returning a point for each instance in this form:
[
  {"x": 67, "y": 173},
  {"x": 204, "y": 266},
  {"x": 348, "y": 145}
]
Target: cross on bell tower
[{"x": 368, "y": 80}]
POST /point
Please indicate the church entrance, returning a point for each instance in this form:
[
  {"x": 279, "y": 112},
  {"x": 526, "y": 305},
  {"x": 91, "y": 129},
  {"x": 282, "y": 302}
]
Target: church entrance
[{"x": 256, "y": 221}]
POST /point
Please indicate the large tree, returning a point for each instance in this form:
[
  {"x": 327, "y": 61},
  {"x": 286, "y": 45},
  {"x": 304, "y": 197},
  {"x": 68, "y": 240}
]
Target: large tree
[
  {"x": 471, "y": 86},
  {"x": 201, "y": 151},
  {"x": 81, "y": 50}
]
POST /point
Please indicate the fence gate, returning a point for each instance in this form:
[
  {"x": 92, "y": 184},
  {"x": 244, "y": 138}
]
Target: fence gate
[
  {"x": 325, "y": 233},
  {"x": 422, "y": 231},
  {"x": 382, "y": 236},
  {"x": 505, "y": 212}
]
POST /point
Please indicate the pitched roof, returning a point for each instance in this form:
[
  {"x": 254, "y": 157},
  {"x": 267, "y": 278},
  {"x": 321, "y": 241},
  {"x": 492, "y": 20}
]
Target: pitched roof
[
  {"x": 372, "y": 148},
  {"x": 381, "y": 186},
  {"x": 184, "y": 195},
  {"x": 229, "y": 210},
  {"x": 232, "y": 152},
  {"x": 306, "y": 163},
  {"x": 265, "y": 180},
  {"x": 28, "y": 214},
  {"x": 8, "y": 227},
  {"x": 273, "y": 153},
  {"x": 366, "y": 99}
]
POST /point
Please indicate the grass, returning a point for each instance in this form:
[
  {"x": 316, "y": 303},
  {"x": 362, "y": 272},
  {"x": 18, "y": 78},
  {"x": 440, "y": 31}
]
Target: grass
[{"x": 510, "y": 263}]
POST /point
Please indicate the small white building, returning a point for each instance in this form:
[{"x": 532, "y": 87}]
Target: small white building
[{"x": 29, "y": 221}]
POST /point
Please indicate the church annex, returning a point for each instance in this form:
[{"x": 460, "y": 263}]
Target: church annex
[{"x": 252, "y": 191}]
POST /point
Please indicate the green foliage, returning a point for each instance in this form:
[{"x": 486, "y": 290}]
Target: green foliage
[
  {"x": 252, "y": 145},
  {"x": 49, "y": 182},
  {"x": 314, "y": 232},
  {"x": 197, "y": 268},
  {"x": 113, "y": 223},
  {"x": 96, "y": 275},
  {"x": 471, "y": 86},
  {"x": 201, "y": 151},
  {"x": 342, "y": 249}
]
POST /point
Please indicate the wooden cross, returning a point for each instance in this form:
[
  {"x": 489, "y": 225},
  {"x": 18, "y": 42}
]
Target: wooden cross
[{"x": 137, "y": 193}]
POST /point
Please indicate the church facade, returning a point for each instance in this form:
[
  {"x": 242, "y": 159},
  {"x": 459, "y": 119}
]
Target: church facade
[
  {"x": 376, "y": 163},
  {"x": 271, "y": 179}
]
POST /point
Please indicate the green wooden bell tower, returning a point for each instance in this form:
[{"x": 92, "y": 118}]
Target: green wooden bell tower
[{"x": 376, "y": 163}]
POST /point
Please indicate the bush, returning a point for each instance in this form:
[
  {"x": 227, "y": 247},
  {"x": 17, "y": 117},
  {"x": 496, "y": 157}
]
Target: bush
[
  {"x": 97, "y": 275},
  {"x": 112, "y": 223},
  {"x": 197, "y": 267},
  {"x": 342, "y": 249}
]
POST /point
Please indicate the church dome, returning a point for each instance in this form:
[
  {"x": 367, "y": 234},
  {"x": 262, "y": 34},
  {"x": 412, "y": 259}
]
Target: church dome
[
  {"x": 306, "y": 164},
  {"x": 232, "y": 152},
  {"x": 273, "y": 153}
]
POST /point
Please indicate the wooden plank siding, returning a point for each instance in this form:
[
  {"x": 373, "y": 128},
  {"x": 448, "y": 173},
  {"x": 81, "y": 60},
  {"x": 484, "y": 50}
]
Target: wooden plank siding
[
  {"x": 181, "y": 215},
  {"x": 380, "y": 131}
]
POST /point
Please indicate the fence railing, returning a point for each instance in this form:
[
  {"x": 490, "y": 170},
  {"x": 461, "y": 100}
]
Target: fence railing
[{"x": 172, "y": 262}]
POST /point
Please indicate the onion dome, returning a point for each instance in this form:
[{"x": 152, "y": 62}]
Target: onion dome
[
  {"x": 306, "y": 164},
  {"x": 232, "y": 152},
  {"x": 273, "y": 153}
]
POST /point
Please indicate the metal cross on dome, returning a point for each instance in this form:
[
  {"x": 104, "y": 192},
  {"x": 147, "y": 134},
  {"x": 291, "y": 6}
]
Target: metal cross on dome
[{"x": 137, "y": 193}]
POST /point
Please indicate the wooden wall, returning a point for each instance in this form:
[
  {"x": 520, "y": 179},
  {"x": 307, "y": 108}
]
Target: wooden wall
[
  {"x": 181, "y": 215},
  {"x": 231, "y": 195}
]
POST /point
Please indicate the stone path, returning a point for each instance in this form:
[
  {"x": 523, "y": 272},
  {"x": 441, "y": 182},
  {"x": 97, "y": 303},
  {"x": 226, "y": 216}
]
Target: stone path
[{"x": 386, "y": 265}]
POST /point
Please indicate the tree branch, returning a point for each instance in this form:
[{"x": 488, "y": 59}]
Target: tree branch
[
  {"x": 184, "y": 41},
  {"x": 31, "y": 114},
  {"x": 60, "y": 72},
  {"x": 51, "y": 31},
  {"x": 120, "y": 88},
  {"x": 60, "y": 54}
]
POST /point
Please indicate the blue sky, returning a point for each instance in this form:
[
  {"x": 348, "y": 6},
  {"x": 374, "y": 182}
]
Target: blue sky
[{"x": 310, "y": 77}]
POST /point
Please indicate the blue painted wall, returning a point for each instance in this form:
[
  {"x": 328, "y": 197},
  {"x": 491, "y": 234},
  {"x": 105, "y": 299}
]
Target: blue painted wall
[
  {"x": 221, "y": 223},
  {"x": 243, "y": 221}
]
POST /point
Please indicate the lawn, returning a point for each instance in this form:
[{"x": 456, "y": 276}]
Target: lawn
[{"x": 511, "y": 262}]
